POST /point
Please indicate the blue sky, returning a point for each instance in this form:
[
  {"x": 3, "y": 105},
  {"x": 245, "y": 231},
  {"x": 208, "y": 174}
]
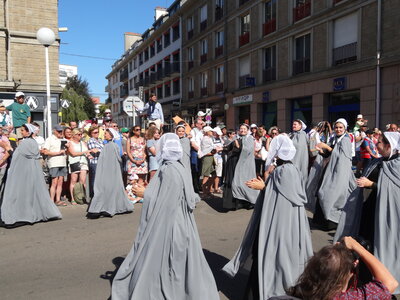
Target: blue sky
[{"x": 96, "y": 28}]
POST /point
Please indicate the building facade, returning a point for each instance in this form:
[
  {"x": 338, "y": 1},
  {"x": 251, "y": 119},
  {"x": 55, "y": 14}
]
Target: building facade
[
  {"x": 270, "y": 62},
  {"x": 22, "y": 57}
]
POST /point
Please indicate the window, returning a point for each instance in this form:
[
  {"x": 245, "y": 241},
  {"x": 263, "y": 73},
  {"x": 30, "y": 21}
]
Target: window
[
  {"x": 269, "y": 72},
  {"x": 160, "y": 91},
  {"x": 219, "y": 79},
  {"x": 219, "y": 43},
  {"x": 146, "y": 55},
  {"x": 203, "y": 51},
  {"x": 302, "y": 9},
  {"x": 130, "y": 66},
  {"x": 190, "y": 26},
  {"x": 130, "y": 84},
  {"x": 190, "y": 87},
  {"x": 219, "y": 9},
  {"x": 176, "y": 86},
  {"x": 152, "y": 50},
  {"x": 140, "y": 58},
  {"x": 159, "y": 45},
  {"x": 270, "y": 17},
  {"x": 244, "y": 71},
  {"x": 244, "y": 37},
  {"x": 135, "y": 63},
  {"x": 167, "y": 89},
  {"x": 203, "y": 83},
  {"x": 345, "y": 37},
  {"x": 167, "y": 39},
  {"x": 190, "y": 58},
  {"x": 302, "y": 59},
  {"x": 302, "y": 109},
  {"x": 203, "y": 17},
  {"x": 175, "y": 32}
]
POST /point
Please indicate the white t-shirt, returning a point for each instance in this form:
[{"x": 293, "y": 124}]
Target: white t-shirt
[
  {"x": 197, "y": 136},
  {"x": 356, "y": 135},
  {"x": 53, "y": 144}
]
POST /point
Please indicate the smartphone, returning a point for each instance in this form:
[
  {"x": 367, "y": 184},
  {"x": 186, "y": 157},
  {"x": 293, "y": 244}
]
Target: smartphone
[{"x": 63, "y": 143}]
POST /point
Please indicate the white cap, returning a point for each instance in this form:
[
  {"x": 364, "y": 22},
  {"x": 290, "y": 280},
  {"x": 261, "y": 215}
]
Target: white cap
[
  {"x": 282, "y": 147},
  {"x": 207, "y": 129},
  {"x": 19, "y": 94},
  {"x": 107, "y": 110},
  {"x": 201, "y": 114},
  {"x": 217, "y": 130},
  {"x": 360, "y": 116},
  {"x": 253, "y": 126}
]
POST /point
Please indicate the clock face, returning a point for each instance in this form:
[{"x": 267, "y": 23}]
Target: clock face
[{"x": 32, "y": 102}]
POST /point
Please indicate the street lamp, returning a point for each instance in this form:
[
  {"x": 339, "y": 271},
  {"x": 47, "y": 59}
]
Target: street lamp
[{"x": 46, "y": 37}]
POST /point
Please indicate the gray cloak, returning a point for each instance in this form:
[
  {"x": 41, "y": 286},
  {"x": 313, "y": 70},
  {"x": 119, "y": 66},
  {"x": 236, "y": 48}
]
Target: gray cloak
[
  {"x": 387, "y": 218},
  {"x": 244, "y": 171},
  {"x": 313, "y": 180},
  {"x": 185, "y": 142},
  {"x": 284, "y": 238},
  {"x": 109, "y": 191},
  {"x": 339, "y": 180},
  {"x": 166, "y": 260},
  {"x": 300, "y": 160},
  {"x": 26, "y": 196},
  {"x": 349, "y": 222}
]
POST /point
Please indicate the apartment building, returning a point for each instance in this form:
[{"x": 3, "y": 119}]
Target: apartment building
[
  {"x": 22, "y": 57},
  {"x": 152, "y": 64},
  {"x": 270, "y": 62}
]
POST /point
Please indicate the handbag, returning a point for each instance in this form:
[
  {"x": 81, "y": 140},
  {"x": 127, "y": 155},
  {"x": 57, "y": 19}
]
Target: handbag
[
  {"x": 75, "y": 167},
  {"x": 264, "y": 153}
]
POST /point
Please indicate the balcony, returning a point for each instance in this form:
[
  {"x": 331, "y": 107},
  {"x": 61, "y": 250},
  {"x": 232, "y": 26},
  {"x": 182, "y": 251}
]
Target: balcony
[
  {"x": 269, "y": 74},
  {"x": 269, "y": 27},
  {"x": 146, "y": 81},
  {"x": 190, "y": 34},
  {"x": 123, "y": 75},
  {"x": 123, "y": 91},
  {"x": 219, "y": 50},
  {"x": 203, "y": 25},
  {"x": 344, "y": 54},
  {"x": 244, "y": 39},
  {"x": 175, "y": 67},
  {"x": 167, "y": 41},
  {"x": 190, "y": 94},
  {"x": 153, "y": 77},
  {"x": 301, "y": 11},
  {"x": 219, "y": 87},
  {"x": 219, "y": 13},
  {"x": 159, "y": 74},
  {"x": 203, "y": 58},
  {"x": 190, "y": 64},
  {"x": 241, "y": 2},
  {"x": 244, "y": 81},
  {"x": 139, "y": 83},
  {"x": 301, "y": 66},
  {"x": 203, "y": 91}
]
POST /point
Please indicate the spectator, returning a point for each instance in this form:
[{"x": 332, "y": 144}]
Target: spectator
[
  {"x": 218, "y": 160},
  {"x": 21, "y": 113},
  {"x": 136, "y": 150},
  {"x": 5, "y": 119},
  {"x": 73, "y": 125},
  {"x": 359, "y": 136},
  {"x": 393, "y": 127},
  {"x": 272, "y": 132},
  {"x": 5, "y": 150},
  {"x": 195, "y": 141},
  {"x": 253, "y": 130},
  {"x": 153, "y": 111},
  {"x": 94, "y": 143},
  {"x": 185, "y": 143},
  {"x": 259, "y": 144},
  {"x": 332, "y": 274},
  {"x": 39, "y": 139},
  {"x": 152, "y": 136},
  {"x": 67, "y": 133},
  {"x": 206, "y": 154},
  {"x": 54, "y": 149},
  {"x": 368, "y": 149}
]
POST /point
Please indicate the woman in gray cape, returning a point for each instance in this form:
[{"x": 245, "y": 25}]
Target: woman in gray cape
[
  {"x": 300, "y": 142},
  {"x": 109, "y": 192},
  {"x": 166, "y": 260},
  {"x": 26, "y": 197},
  {"x": 338, "y": 181},
  {"x": 278, "y": 236},
  {"x": 185, "y": 142}
]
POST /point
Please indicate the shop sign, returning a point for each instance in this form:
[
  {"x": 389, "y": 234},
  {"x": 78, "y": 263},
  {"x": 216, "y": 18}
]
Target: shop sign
[
  {"x": 339, "y": 84},
  {"x": 265, "y": 96},
  {"x": 243, "y": 99}
]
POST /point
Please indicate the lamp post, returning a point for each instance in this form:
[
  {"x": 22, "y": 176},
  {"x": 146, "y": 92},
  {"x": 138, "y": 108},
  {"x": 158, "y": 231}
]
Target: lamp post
[{"x": 46, "y": 37}]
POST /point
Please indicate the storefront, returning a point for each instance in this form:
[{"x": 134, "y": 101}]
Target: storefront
[
  {"x": 344, "y": 105},
  {"x": 302, "y": 109}
]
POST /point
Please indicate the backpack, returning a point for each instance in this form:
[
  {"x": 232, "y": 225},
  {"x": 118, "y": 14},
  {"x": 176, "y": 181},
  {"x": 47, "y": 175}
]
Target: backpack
[{"x": 79, "y": 193}]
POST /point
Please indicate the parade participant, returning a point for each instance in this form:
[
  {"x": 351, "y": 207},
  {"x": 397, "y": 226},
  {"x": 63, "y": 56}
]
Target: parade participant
[
  {"x": 109, "y": 191},
  {"x": 154, "y": 111},
  {"x": 136, "y": 150},
  {"x": 185, "y": 143},
  {"x": 278, "y": 236},
  {"x": 218, "y": 160},
  {"x": 338, "y": 180},
  {"x": 31, "y": 203},
  {"x": 167, "y": 260},
  {"x": 206, "y": 154},
  {"x": 152, "y": 136},
  {"x": 300, "y": 141},
  {"x": 331, "y": 274}
]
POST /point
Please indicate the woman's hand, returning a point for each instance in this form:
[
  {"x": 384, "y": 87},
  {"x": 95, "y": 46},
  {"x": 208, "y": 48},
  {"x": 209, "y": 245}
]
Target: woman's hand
[
  {"x": 364, "y": 182},
  {"x": 94, "y": 150},
  {"x": 138, "y": 190},
  {"x": 138, "y": 162},
  {"x": 256, "y": 183},
  {"x": 350, "y": 243}
]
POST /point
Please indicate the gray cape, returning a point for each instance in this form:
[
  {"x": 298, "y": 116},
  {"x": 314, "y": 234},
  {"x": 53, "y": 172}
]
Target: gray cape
[
  {"x": 349, "y": 222},
  {"x": 26, "y": 196},
  {"x": 244, "y": 171},
  {"x": 313, "y": 180},
  {"x": 339, "y": 180},
  {"x": 166, "y": 260},
  {"x": 109, "y": 191},
  {"x": 387, "y": 218},
  {"x": 300, "y": 160},
  {"x": 185, "y": 142},
  {"x": 284, "y": 238}
]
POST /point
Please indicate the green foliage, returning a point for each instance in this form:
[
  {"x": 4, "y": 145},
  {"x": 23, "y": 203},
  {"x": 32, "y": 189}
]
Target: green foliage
[
  {"x": 81, "y": 87},
  {"x": 102, "y": 108},
  {"x": 76, "y": 110}
]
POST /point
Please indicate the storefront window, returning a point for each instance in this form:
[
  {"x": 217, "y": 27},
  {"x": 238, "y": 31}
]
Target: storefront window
[
  {"x": 344, "y": 105},
  {"x": 302, "y": 109},
  {"x": 243, "y": 114},
  {"x": 269, "y": 114}
]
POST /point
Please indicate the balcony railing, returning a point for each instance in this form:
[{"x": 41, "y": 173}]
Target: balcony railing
[
  {"x": 301, "y": 11},
  {"x": 301, "y": 66},
  {"x": 345, "y": 54},
  {"x": 269, "y": 74},
  {"x": 159, "y": 74},
  {"x": 123, "y": 75},
  {"x": 219, "y": 13},
  {"x": 269, "y": 27},
  {"x": 190, "y": 94},
  {"x": 241, "y": 2},
  {"x": 175, "y": 66},
  {"x": 190, "y": 34},
  {"x": 203, "y": 91},
  {"x": 190, "y": 64},
  {"x": 219, "y": 87},
  {"x": 219, "y": 50},
  {"x": 243, "y": 81},
  {"x": 203, "y": 25},
  {"x": 203, "y": 58},
  {"x": 146, "y": 81},
  {"x": 244, "y": 39}
]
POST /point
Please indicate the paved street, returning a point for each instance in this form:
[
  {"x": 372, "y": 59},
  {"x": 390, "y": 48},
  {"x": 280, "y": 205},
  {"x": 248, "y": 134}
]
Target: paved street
[{"x": 76, "y": 258}]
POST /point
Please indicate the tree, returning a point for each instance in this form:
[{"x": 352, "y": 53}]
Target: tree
[
  {"x": 81, "y": 87},
  {"x": 75, "y": 111}
]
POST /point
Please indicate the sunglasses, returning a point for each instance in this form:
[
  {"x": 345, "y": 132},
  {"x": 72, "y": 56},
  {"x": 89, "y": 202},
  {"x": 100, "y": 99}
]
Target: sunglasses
[
  {"x": 94, "y": 132},
  {"x": 137, "y": 129}
]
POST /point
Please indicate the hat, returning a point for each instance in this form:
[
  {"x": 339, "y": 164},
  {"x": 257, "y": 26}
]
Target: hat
[
  {"x": 207, "y": 129},
  {"x": 343, "y": 121},
  {"x": 58, "y": 127},
  {"x": 253, "y": 126},
  {"x": 2, "y": 105},
  {"x": 217, "y": 130},
  {"x": 107, "y": 119},
  {"x": 282, "y": 147},
  {"x": 19, "y": 94},
  {"x": 124, "y": 130},
  {"x": 201, "y": 114},
  {"x": 360, "y": 116},
  {"x": 107, "y": 110},
  {"x": 222, "y": 126}
]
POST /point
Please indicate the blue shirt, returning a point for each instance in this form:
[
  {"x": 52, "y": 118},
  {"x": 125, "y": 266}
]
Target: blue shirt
[
  {"x": 118, "y": 142},
  {"x": 153, "y": 112}
]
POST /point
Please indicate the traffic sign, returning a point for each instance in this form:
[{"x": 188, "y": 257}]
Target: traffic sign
[
  {"x": 65, "y": 103},
  {"x": 32, "y": 102},
  {"x": 128, "y": 105}
]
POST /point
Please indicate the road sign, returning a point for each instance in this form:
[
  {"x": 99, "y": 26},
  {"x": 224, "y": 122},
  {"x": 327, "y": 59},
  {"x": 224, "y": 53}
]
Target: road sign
[
  {"x": 65, "y": 103},
  {"x": 32, "y": 102},
  {"x": 128, "y": 105}
]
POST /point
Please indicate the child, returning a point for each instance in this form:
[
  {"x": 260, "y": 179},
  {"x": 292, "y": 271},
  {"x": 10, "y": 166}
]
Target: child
[{"x": 133, "y": 180}]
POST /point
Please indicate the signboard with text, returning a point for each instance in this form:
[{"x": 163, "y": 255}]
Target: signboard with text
[{"x": 245, "y": 99}]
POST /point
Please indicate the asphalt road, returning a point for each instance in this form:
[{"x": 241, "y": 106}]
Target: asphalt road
[{"x": 76, "y": 258}]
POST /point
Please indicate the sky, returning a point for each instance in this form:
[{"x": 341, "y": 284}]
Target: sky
[{"x": 96, "y": 29}]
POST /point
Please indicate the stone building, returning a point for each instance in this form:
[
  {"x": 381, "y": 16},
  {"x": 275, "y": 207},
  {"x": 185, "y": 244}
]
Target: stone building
[{"x": 22, "y": 58}]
